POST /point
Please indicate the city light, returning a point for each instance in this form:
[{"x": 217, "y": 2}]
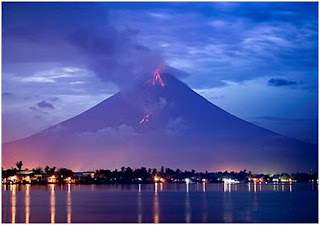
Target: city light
[
  {"x": 52, "y": 179},
  {"x": 230, "y": 181},
  {"x": 27, "y": 179},
  {"x": 13, "y": 179},
  {"x": 156, "y": 179},
  {"x": 159, "y": 179},
  {"x": 187, "y": 180},
  {"x": 68, "y": 180}
]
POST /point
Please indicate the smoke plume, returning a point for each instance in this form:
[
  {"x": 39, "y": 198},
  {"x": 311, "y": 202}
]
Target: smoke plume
[
  {"x": 114, "y": 55},
  {"x": 76, "y": 34}
]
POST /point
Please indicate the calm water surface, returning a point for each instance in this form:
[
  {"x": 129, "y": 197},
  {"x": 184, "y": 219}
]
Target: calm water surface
[{"x": 160, "y": 203}]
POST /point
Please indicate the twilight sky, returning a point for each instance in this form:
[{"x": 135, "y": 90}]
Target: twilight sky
[{"x": 258, "y": 61}]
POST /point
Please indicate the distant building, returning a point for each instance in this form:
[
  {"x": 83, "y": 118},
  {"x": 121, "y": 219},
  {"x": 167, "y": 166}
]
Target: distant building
[
  {"x": 52, "y": 179},
  {"x": 89, "y": 174}
]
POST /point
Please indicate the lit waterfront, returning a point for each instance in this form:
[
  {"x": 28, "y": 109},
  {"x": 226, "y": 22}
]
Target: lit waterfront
[{"x": 191, "y": 202}]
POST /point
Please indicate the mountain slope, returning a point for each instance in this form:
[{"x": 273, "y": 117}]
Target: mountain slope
[{"x": 157, "y": 122}]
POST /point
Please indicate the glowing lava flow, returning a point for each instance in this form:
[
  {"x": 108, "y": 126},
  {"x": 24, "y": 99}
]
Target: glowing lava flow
[
  {"x": 146, "y": 118},
  {"x": 157, "y": 77}
]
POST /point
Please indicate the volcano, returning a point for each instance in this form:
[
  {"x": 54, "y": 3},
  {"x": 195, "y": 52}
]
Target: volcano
[{"x": 160, "y": 121}]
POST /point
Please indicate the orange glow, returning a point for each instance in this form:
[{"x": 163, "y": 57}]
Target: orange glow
[
  {"x": 159, "y": 179},
  {"x": 162, "y": 180},
  {"x": 13, "y": 179},
  {"x": 157, "y": 77},
  {"x": 146, "y": 118},
  {"x": 52, "y": 179},
  {"x": 27, "y": 179},
  {"x": 156, "y": 179},
  {"x": 68, "y": 180}
]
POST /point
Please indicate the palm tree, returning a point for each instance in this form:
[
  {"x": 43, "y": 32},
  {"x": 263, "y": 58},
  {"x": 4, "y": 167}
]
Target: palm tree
[{"x": 19, "y": 165}]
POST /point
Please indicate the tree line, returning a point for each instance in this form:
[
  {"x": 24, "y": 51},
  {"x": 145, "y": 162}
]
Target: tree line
[{"x": 147, "y": 175}]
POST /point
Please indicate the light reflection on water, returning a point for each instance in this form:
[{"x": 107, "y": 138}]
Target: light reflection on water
[
  {"x": 13, "y": 203},
  {"x": 52, "y": 203},
  {"x": 156, "y": 217},
  {"x": 212, "y": 199},
  {"x": 69, "y": 204},
  {"x": 139, "y": 206},
  {"x": 204, "y": 187},
  {"x": 188, "y": 207},
  {"x": 27, "y": 202},
  {"x": 204, "y": 206}
]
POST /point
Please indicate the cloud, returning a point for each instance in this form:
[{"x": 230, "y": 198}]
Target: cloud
[
  {"x": 7, "y": 94},
  {"x": 38, "y": 111},
  {"x": 120, "y": 45},
  {"x": 115, "y": 56},
  {"x": 54, "y": 75},
  {"x": 54, "y": 99},
  {"x": 230, "y": 43},
  {"x": 42, "y": 107},
  {"x": 45, "y": 105},
  {"x": 278, "y": 82},
  {"x": 176, "y": 126},
  {"x": 121, "y": 134},
  {"x": 112, "y": 53},
  {"x": 220, "y": 41}
]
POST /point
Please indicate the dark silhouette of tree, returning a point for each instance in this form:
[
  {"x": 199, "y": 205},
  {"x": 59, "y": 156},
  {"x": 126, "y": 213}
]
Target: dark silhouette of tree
[
  {"x": 37, "y": 170},
  {"x": 154, "y": 172},
  {"x": 64, "y": 173},
  {"x": 128, "y": 170},
  {"x": 162, "y": 170},
  {"x": 49, "y": 171},
  {"x": 19, "y": 165},
  {"x": 146, "y": 175}
]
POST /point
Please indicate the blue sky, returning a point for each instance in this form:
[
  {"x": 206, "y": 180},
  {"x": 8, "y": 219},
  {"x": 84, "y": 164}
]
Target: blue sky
[{"x": 258, "y": 61}]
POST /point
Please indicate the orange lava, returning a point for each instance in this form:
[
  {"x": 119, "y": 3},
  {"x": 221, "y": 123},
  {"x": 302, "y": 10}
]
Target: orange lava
[
  {"x": 145, "y": 119},
  {"x": 157, "y": 77}
]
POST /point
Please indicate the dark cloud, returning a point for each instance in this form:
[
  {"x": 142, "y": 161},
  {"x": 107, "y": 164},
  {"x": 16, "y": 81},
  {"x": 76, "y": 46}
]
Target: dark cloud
[
  {"x": 80, "y": 32},
  {"x": 45, "y": 105},
  {"x": 220, "y": 42},
  {"x": 281, "y": 82},
  {"x": 114, "y": 55},
  {"x": 117, "y": 43},
  {"x": 7, "y": 94}
]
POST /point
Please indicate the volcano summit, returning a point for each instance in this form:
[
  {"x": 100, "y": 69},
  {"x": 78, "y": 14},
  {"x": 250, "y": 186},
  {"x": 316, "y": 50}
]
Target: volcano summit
[{"x": 161, "y": 122}]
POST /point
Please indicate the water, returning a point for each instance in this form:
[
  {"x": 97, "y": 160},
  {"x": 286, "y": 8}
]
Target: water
[{"x": 155, "y": 203}]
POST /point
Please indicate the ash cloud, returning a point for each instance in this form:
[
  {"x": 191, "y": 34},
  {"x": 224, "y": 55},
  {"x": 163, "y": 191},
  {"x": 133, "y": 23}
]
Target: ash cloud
[
  {"x": 115, "y": 56},
  {"x": 80, "y": 34}
]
